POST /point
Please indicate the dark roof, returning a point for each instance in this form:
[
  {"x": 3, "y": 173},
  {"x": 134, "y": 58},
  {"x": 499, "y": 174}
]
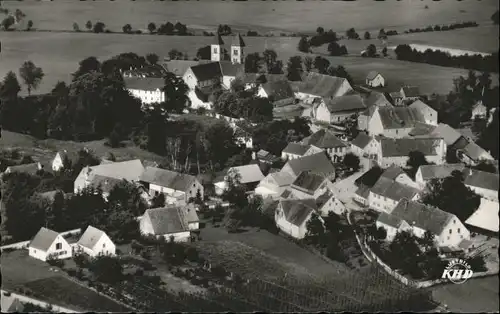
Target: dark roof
[
  {"x": 482, "y": 179},
  {"x": 43, "y": 239},
  {"x": 252, "y": 78},
  {"x": 238, "y": 41},
  {"x": 266, "y": 156},
  {"x": 475, "y": 152},
  {"x": 420, "y": 215},
  {"x": 321, "y": 85},
  {"x": 278, "y": 90},
  {"x": 361, "y": 181},
  {"x": 400, "y": 117},
  {"x": 144, "y": 83},
  {"x": 207, "y": 71},
  {"x": 179, "y": 67},
  {"x": 345, "y": 103},
  {"x": 286, "y": 193},
  {"x": 372, "y": 75},
  {"x": 361, "y": 140},
  {"x": 363, "y": 191},
  {"x": 317, "y": 163},
  {"x": 403, "y": 146},
  {"x": 439, "y": 171},
  {"x": 308, "y": 182},
  {"x": 166, "y": 178},
  {"x": 324, "y": 139},
  {"x": 231, "y": 69},
  {"x": 296, "y": 149},
  {"x": 447, "y": 133},
  {"x": 411, "y": 91},
  {"x": 389, "y": 220},
  {"x": 392, "y": 172},
  {"x": 167, "y": 220},
  {"x": 392, "y": 189},
  {"x": 106, "y": 183},
  {"x": 297, "y": 211},
  {"x": 218, "y": 40},
  {"x": 378, "y": 99},
  {"x": 26, "y": 168},
  {"x": 422, "y": 129}
]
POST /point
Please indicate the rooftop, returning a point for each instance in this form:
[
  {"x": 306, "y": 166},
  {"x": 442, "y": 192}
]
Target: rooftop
[
  {"x": 308, "y": 182},
  {"x": 43, "y": 239},
  {"x": 324, "y": 139},
  {"x": 167, "y": 220},
  {"x": 297, "y": 211},
  {"x": 372, "y": 75},
  {"x": 296, "y": 149},
  {"x": 390, "y": 220},
  {"x": 400, "y": 117},
  {"x": 393, "y": 190},
  {"x": 362, "y": 140},
  {"x": 317, "y": 163},
  {"x": 166, "y": 178},
  {"x": 179, "y": 67},
  {"x": 278, "y": 90},
  {"x": 345, "y": 103},
  {"x": 144, "y": 83},
  {"x": 248, "y": 173},
  {"x": 403, "y": 146},
  {"x": 90, "y": 237},
  {"x": 422, "y": 216},
  {"x": 482, "y": 179},
  {"x": 486, "y": 216},
  {"x": 439, "y": 171},
  {"x": 411, "y": 91},
  {"x": 207, "y": 71},
  {"x": 322, "y": 85}
]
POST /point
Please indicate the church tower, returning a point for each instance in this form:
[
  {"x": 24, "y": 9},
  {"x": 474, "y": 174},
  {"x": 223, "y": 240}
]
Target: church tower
[
  {"x": 237, "y": 46},
  {"x": 216, "y": 48}
]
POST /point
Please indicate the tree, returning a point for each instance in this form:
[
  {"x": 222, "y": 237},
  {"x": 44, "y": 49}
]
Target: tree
[
  {"x": 381, "y": 34},
  {"x": 158, "y": 201},
  {"x": 336, "y": 50},
  {"x": 488, "y": 139},
  {"x": 270, "y": 57},
  {"x": 427, "y": 241},
  {"x": 177, "y": 91},
  {"x": 175, "y": 54},
  {"x": 76, "y": 28},
  {"x": 151, "y": 27},
  {"x": 320, "y": 30},
  {"x": 127, "y": 29},
  {"x": 321, "y": 64},
  {"x": 126, "y": 197},
  {"x": 315, "y": 230},
  {"x": 252, "y": 61},
  {"x": 351, "y": 162},
  {"x": 351, "y": 34},
  {"x": 87, "y": 65},
  {"x": 31, "y": 75},
  {"x": 308, "y": 63},
  {"x": 30, "y": 25},
  {"x": 415, "y": 160},
  {"x": 371, "y": 51},
  {"x": 494, "y": 17},
  {"x": 367, "y": 35},
  {"x": 384, "y": 52},
  {"x": 294, "y": 68},
  {"x": 8, "y": 22},
  {"x": 152, "y": 58},
  {"x": 99, "y": 27},
  {"x": 340, "y": 71},
  {"x": 107, "y": 269},
  {"x": 10, "y": 88},
  {"x": 304, "y": 45},
  {"x": 277, "y": 68},
  {"x": 235, "y": 192},
  {"x": 88, "y": 25}
]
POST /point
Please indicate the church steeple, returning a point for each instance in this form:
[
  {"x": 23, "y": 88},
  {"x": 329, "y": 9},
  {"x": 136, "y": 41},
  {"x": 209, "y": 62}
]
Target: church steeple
[
  {"x": 216, "y": 48},
  {"x": 237, "y": 46}
]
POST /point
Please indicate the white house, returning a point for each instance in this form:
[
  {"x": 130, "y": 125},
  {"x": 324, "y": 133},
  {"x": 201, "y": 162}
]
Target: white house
[
  {"x": 396, "y": 122},
  {"x": 365, "y": 145},
  {"x": 418, "y": 218},
  {"x": 191, "y": 216},
  {"x": 58, "y": 161},
  {"x": 318, "y": 163},
  {"x": 472, "y": 154},
  {"x": 94, "y": 242},
  {"x": 314, "y": 85},
  {"x": 248, "y": 175},
  {"x": 309, "y": 185},
  {"x": 11, "y": 304},
  {"x": 483, "y": 183},
  {"x": 148, "y": 89},
  {"x": 375, "y": 79},
  {"x": 479, "y": 111},
  {"x": 426, "y": 173},
  {"x": 328, "y": 203},
  {"x": 395, "y": 151},
  {"x": 291, "y": 216},
  {"x": 386, "y": 193},
  {"x": 327, "y": 141},
  {"x": 430, "y": 115},
  {"x": 397, "y": 174},
  {"x": 169, "y": 222},
  {"x": 274, "y": 184},
  {"x": 177, "y": 187},
  {"x": 49, "y": 244},
  {"x": 297, "y": 150},
  {"x": 280, "y": 93},
  {"x": 337, "y": 109}
]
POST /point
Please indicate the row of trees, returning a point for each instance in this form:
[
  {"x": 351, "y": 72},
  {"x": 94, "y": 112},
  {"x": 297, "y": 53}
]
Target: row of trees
[
  {"x": 442, "y": 58},
  {"x": 437, "y": 28},
  {"x": 267, "y": 61}
]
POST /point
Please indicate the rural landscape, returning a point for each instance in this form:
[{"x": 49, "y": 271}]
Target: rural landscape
[{"x": 242, "y": 156}]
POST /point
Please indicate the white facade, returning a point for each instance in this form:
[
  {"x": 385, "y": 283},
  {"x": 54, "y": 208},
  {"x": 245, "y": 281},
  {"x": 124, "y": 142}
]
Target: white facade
[
  {"x": 322, "y": 114},
  {"x": 453, "y": 233},
  {"x": 378, "y": 81},
  {"x": 236, "y": 54},
  {"x": 384, "y": 204},
  {"x": 298, "y": 232},
  {"x": 57, "y": 163},
  {"x": 147, "y": 229},
  {"x": 439, "y": 158},
  {"x": 311, "y": 151},
  {"x": 215, "y": 52},
  {"x": 391, "y": 230},
  {"x": 148, "y": 96},
  {"x": 372, "y": 148},
  {"x": 173, "y": 196},
  {"x": 59, "y": 249},
  {"x": 104, "y": 246},
  {"x": 333, "y": 205},
  {"x": 341, "y": 91},
  {"x": 190, "y": 79}
]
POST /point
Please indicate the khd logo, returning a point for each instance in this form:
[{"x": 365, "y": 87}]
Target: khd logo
[{"x": 457, "y": 271}]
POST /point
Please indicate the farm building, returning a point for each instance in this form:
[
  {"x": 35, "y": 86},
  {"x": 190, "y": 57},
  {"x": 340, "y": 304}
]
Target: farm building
[
  {"x": 58, "y": 161},
  {"x": 278, "y": 92},
  {"x": 430, "y": 115},
  {"x": 328, "y": 203},
  {"x": 472, "y": 154},
  {"x": 327, "y": 141},
  {"x": 485, "y": 219},
  {"x": 249, "y": 175},
  {"x": 314, "y": 85},
  {"x": 397, "y": 174},
  {"x": 365, "y": 145},
  {"x": 169, "y": 222},
  {"x": 274, "y": 184},
  {"x": 94, "y": 242},
  {"x": 297, "y": 150},
  {"x": 386, "y": 193},
  {"x": 291, "y": 216},
  {"x": 308, "y": 185},
  {"x": 265, "y": 157},
  {"x": 410, "y": 93},
  {"x": 179, "y": 67},
  {"x": 375, "y": 79},
  {"x": 396, "y": 151},
  {"x": 317, "y": 163},
  {"x": 426, "y": 173},
  {"x": 394, "y": 122},
  {"x": 148, "y": 89},
  {"x": 191, "y": 216},
  {"x": 337, "y": 109},
  {"x": 49, "y": 244},
  {"x": 482, "y": 183}
]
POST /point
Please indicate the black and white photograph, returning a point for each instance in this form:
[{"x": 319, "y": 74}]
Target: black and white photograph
[{"x": 242, "y": 156}]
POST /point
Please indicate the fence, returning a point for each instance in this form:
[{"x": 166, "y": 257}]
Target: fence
[{"x": 24, "y": 244}]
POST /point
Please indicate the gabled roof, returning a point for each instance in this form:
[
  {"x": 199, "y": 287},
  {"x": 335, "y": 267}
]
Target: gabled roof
[
  {"x": 403, "y": 146},
  {"x": 345, "y": 103},
  {"x": 43, "y": 239},
  {"x": 253, "y": 78},
  {"x": 297, "y": 211},
  {"x": 324, "y": 139},
  {"x": 476, "y": 152},
  {"x": 218, "y": 40},
  {"x": 372, "y": 75},
  {"x": 166, "y": 178},
  {"x": 422, "y": 129},
  {"x": 447, "y": 133},
  {"x": 389, "y": 220},
  {"x": 167, "y": 220},
  {"x": 420, "y": 105},
  {"x": 11, "y": 304},
  {"x": 422, "y": 216},
  {"x": 321, "y": 85},
  {"x": 430, "y": 172},
  {"x": 308, "y": 182},
  {"x": 296, "y": 149},
  {"x": 278, "y": 90},
  {"x": 482, "y": 179},
  {"x": 72, "y": 155},
  {"x": 231, "y": 69},
  {"x": 238, "y": 41},
  {"x": 486, "y": 216},
  {"x": 26, "y": 168},
  {"x": 90, "y": 237},
  {"x": 129, "y": 170},
  {"x": 411, "y": 91},
  {"x": 317, "y": 163},
  {"x": 377, "y": 99},
  {"x": 362, "y": 140},
  {"x": 207, "y": 71},
  {"x": 393, "y": 190},
  {"x": 282, "y": 178},
  {"x": 266, "y": 156},
  {"x": 144, "y": 83},
  {"x": 179, "y": 67},
  {"x": 400, "y": 117},
  {"x": 395, "y": 95},
  {"x": 191, "y": 215},
  {"x": 392, "y": 172},
  {"x": 248, "y": 173},
  {"x": 363, "y": 191}
]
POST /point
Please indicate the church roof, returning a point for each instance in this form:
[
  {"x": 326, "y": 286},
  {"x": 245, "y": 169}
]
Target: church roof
[
  {"x": 238, "y": 41},
  {"x": 218, "y": 40}
]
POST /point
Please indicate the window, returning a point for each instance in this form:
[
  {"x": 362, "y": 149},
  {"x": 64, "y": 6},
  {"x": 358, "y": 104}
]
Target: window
[
  {"x": 215, "y": 49},
  {"x": 450, "y": 231},
  {"x": 104, "y": 245},
  {"x": 235, "y": 52},
  {"x": 458, "y": 230},
  {"x": 58, "y": 246}
]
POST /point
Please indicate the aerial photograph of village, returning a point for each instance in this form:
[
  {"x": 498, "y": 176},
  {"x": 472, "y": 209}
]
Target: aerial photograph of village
[{"x": 249, "y": 156}]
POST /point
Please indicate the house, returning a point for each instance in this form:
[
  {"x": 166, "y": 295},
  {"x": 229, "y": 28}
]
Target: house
[
  {"x": 230, "y": 71},
  {"x": 308, "y": 185},
  {"x": 485, "y": 219},
  {"x": 95, "y": 242},
  {"x": 397, "y": 174},
  {"x": 108, "y": 175},
  {"x": 386, "y": 193},
  {"x": 253, "y": 80},
  {"x": 274, "y": 184},
  {"x": 394, "y": 122},
  {"x": 278, "y": 92},
  {"x": 361, "y": 195},
  {"x": 396, "y": 151},
  {"x": 318, "y": 163},
  {"x": 479, "y": 111},
  {"x": 249, "y": 175},
  {"x": 31, "y": 168},
  {"x": 204, "y": 75},
  {"x": 365, "y": 145},
  {"x": 328, "y": 203},
  {"x": 410, "y": 93},
  {"x": 472, "y": 154},
  {"x": 447, "y": 133},
  {"x": 297, "y": 150},
  {"x": 265, "y": 157},
  {"x": 11, "y": 304},
  {"x": 148, "y": 89},
  {"x": 377, "y": 99},
  {"x": 179, "y": 67},
  {"x": 337, "y": 109},
  {"x": 237, "y": 45},
  {"x": 49, "y": 244},
  {"x": 430, "y": 115},
  {"x": 327, "y": 141},
  {"x": 191, "y": 217},
  {"x": 375, "y": 79},
  {"x": 61, "y": 156},
  {"x": 292, "y": 215},
  {"x": 482, "y": 183},
  {"x": 396, "y": 98},
  {"x": 177, "y": 187},
  {"x": 314, "y": 85},
  {"x": 418, "y": 218},
  {"x": 169, "y": 222},
  {"x": 426, "y": 173},
  {"x": 146, "y": 71}
]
